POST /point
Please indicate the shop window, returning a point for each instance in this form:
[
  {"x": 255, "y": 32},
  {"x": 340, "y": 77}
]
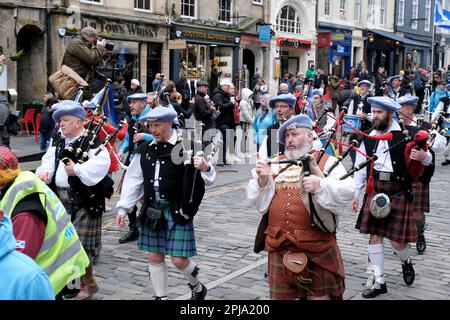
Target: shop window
[
  {"x": 188, "y": 8},
  {"x": 122, "y": 61},
  {"x": 225, "y": 9},
  {"x": 288, "y": 20},
  {"x": 143, "y": 5},
  {"x": 197, "y": 61}
]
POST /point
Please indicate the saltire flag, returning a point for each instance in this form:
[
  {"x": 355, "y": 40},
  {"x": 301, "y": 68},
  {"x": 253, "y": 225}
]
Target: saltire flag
[
  {"x": 441, "y": 16},
  {"x": 107, "y": 108}
]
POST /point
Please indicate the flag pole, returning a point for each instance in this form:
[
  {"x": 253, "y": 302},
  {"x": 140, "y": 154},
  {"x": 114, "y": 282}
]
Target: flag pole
[{"x": 432, "y": 51}]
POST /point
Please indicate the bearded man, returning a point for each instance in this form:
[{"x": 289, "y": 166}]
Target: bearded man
[{"x": 278, "y": 189}]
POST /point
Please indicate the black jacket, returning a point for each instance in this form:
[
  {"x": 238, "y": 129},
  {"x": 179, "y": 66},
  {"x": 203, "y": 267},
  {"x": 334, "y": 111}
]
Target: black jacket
[
  {"x": 203, "y": 112},
  {"x": 222, "y": 100}
]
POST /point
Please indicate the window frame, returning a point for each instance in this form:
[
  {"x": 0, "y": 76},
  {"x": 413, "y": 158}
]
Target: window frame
[
  {"x": 383, "y": 11},
  {"x": 401, "y": 13},
  {"x": 297, "y": 22},
  {"x": 231, "y": 12},
  {"x": 144, "y": 10},
  {"x": 96, "y": 3},
  {"x": 327, "y": 4},
  {"x": 415, "y": 14},
  {"x": 357, "y": 15},
  {"x": 195, "y": 10},
  {"x": 371, "y": 12},
  {"x": 427, "y": 26}
]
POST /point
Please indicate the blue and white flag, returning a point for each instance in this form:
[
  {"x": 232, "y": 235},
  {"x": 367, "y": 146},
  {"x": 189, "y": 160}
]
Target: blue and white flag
[
  {"x": 441, "y": 16},
  {"x": 107, "y": 109},
  {"x": 96, "y": 100}
]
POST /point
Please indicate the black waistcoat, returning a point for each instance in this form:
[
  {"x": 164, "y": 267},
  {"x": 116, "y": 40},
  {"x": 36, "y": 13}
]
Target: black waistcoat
[
  {"x": 397, "y": 158},
  {"x": 175, "y": 179}
]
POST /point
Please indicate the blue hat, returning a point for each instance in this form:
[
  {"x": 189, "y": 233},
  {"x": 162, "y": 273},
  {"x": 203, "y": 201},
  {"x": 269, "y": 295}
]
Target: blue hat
[
  {"x": 398, "y": 77},
  {"x": 300, "y": 121},
  {"x": 384, "y": 103},
  {"x": 409, "y": 99},
  {"x": 366, "y": 82},
  {"x": 137, "y": 96},
  {"x": 68, "y": 108},
  {"x": 317, "y": 92},
  {"x": 162, "y": 114},
  {"x": 288, "y": 98}
]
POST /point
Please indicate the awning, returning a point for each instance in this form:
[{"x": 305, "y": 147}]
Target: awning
[{"x": 399, "y": 38}]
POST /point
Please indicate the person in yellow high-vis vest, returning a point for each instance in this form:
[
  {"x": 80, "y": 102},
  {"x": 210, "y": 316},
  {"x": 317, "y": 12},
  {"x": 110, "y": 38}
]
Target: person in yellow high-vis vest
[{"x": 41, "y": 225}]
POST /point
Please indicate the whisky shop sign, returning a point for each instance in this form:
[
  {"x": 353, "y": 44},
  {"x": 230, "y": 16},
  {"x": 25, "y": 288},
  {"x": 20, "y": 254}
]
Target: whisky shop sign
[
  {"x": 127, "y": 29},
  {"x": 207, "y": 36}
]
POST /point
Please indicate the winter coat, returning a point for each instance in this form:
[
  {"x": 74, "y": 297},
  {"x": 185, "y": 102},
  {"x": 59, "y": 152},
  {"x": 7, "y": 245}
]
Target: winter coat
[
  {"x": 20, "y": 277},
  {"x": 260, "y": 125},
  {"x": 4, "y": 110},
  {"x": 435, "y": 99},
  {"x": 245, "y": 107},
  {"x": 81, "y": 56},
  {"x": 223, "y": 102}
]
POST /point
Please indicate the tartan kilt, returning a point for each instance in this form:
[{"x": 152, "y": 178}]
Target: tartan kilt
[
  {"x": 89, "y": 230},
  {"x": 326, "y": 270},
  {"x": 174, "y": 240},
  {"x": 399, "y": 225},
  {"x": 421, "y": 197}
]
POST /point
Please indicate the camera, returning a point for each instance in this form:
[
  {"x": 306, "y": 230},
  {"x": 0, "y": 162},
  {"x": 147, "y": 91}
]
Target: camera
[
  {"x": 108, "y": 46},
  {"x": 161, "y": 76}
]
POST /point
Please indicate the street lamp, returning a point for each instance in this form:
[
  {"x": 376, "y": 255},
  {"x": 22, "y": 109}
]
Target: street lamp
[{"x": 371, "y": 38}]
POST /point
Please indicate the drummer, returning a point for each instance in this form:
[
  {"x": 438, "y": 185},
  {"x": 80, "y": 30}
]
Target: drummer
[{"x": 359, "y": 107}]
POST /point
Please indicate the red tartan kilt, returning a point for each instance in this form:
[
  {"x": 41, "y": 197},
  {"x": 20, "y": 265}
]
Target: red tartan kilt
[
  {"x": 399, "y": 225},
  {"x": 421, "y": 197},
  {"x": 326, "y": 270}
]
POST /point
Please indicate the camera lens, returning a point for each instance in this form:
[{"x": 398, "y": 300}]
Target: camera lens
[{"x": 109, "y": 46}]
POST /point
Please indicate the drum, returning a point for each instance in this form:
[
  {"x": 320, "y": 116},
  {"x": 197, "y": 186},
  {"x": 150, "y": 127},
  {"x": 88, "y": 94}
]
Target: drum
[
  {"x": 446, "y": 126},
  {"x": 354, "y": 121}
]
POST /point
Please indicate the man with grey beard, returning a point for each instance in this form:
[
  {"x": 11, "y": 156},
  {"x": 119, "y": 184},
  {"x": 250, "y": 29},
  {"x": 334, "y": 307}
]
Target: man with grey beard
[{"x": 278, "y": 190}]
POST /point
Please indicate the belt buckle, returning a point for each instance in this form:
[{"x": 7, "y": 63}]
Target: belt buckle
[{"x": 385, "y": 176}]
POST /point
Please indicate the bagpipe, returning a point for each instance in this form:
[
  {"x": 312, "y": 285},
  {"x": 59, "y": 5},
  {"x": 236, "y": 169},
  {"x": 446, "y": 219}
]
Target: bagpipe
[{"x": 78, "y": 152}]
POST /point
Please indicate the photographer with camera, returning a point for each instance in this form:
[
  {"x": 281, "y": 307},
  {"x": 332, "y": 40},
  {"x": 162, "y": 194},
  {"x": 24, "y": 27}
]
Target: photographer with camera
[{"x": 84, "y": 54}]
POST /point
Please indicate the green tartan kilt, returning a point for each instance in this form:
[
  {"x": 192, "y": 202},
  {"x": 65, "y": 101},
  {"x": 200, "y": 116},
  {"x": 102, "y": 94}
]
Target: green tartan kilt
[{"x": 174, "y": 240}]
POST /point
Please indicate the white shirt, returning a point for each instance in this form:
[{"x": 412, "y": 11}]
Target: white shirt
[
  {"x": 133, "y": 183},
  {"x": 383, "y": 163},
  {"x": 90, "y": 173},
  {"x": 333, "y": 194}
]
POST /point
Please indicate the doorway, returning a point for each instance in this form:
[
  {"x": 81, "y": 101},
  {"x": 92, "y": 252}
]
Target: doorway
[
  {"x": 249, "y": 61},
  {"x": 31, "y": 67}
]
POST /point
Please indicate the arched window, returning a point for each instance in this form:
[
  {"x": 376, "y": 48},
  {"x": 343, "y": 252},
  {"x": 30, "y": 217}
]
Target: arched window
[{"x": 288, "y": 20}]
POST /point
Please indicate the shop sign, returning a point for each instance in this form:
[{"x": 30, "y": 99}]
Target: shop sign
[
  {"x": 338, "y": 36},
  {"x": 210, "y": 36},
  {"x": 264, "y": 33},
  {"x": 324, "y": 40},
  {"x": 292, "y": 43},
  {"x": 130, "y": 29},
  {"x": 177, "y": 44}
]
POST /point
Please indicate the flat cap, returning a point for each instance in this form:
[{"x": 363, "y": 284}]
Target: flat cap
[
  {"x": 137, "y": 96},
  {"x": 409, "y": 99},
  {"x": 89, "y": 31},
  {"x": 68, "y": 108},
  {"x": 161, "y": 114},
  {"x": 288, "y": 99},
  {"x": 201, "y": 83},
  {"x": 384, "y": 103},
  {"x": 300, "y": 121}
]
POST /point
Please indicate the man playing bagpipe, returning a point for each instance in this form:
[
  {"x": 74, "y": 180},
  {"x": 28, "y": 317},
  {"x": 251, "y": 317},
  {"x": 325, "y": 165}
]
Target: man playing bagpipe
[
  {"x": 304, "y": 258},
  {"x": 387, "y": 210},
  {"x": 76, "y": 168},
  {"x": 421, "y": 187},
  {"x": 172, "y": 186},
  {"x": 358, "y": 111}
]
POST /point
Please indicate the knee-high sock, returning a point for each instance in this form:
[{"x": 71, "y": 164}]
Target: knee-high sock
[
  {"x": 376, "y": 257},
  {"x": 420, "y": 225},
  {"x": 191, "y": 273},
  {"x": 403, "y": 254},
  {"x": 158, "y": 276}
]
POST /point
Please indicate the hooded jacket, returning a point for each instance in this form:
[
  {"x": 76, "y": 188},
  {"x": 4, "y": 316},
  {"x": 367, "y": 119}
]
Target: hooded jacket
[
  {"x": 20, "y": 276},
  {"x": 222, "y": 100},
  {"x": 245, "y": 107}
]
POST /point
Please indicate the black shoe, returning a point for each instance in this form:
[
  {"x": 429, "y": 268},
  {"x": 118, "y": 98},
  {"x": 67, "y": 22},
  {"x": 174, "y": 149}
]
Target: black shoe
[
  {"x": 446, "y": 162},
  {"x": 131, "y": 235},
  {"x": 421, "y": 245},
  {"x": 408, "y": 272},
  {"x": 376, "y": 289},
  {"x": 198, "y": 295}
]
